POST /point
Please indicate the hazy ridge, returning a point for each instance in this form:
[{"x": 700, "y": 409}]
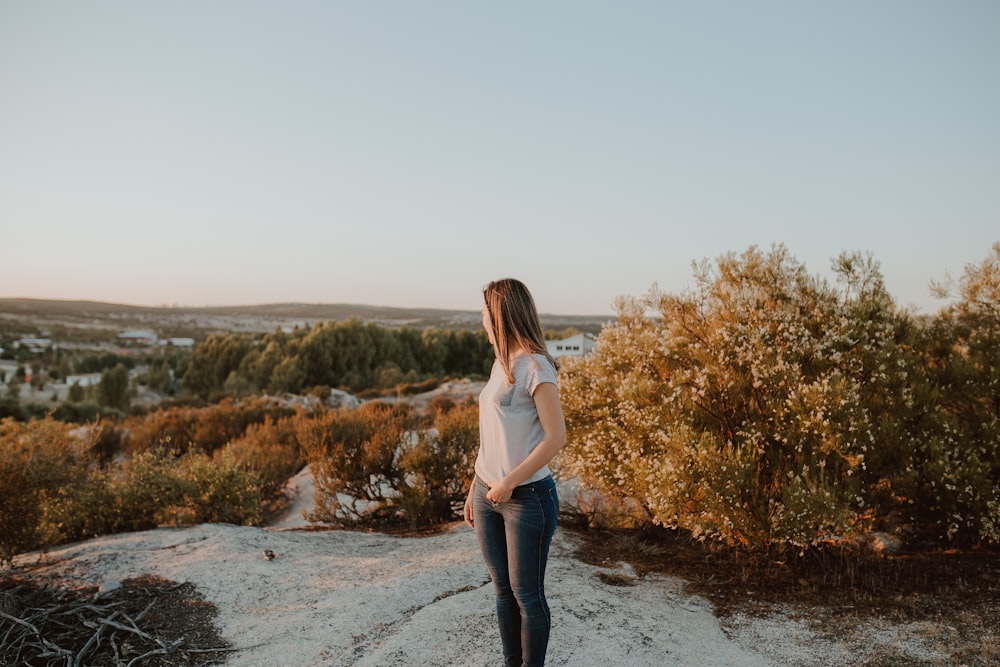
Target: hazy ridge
[{"x": 194, "y": 320}]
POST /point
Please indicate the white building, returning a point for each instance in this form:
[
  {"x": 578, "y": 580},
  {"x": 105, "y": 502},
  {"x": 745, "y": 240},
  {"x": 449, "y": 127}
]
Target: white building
[
  {"x": 84, "y": 380},
  {"x": 574, "y": 346},
  {"x": 35, "y": 344}
]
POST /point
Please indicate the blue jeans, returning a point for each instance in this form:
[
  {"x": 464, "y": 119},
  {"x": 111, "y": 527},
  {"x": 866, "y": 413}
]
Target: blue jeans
[{"x": 514, "y": 537}]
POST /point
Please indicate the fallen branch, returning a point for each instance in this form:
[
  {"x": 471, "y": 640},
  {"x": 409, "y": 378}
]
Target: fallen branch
[
  {"x": 160, "y": 651},
  {"x": 133, "y": 629}
]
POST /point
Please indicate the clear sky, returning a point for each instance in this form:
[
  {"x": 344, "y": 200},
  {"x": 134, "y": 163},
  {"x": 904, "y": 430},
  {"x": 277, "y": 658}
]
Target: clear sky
[{"x": 404, "y": 153}]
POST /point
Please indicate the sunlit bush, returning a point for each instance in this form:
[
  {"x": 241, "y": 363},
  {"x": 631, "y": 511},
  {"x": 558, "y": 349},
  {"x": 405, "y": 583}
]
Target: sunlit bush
[
  {"x": 749, "y": 408},
  {"x": 271, "y": 449},
  {"x": 203, "y": 428},
  {"x": 161, "y": 486},
  {"x": 352, "y": 457},
  {"x": 146, "y": 489},
  {"x": 959, "y": 484},
  {"x": 438, "y": 468},
  {"x": 221, "y": 490},
  {"x": 41, "y": 464},
  {"x": 378, "y": 466}
]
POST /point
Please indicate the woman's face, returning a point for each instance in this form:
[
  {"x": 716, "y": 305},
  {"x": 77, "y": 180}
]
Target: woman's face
[{"x": 488, "y": 324}]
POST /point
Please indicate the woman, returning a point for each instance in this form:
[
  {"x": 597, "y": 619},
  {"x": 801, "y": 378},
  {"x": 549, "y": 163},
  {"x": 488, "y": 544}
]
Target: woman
[{"x": 513, "y": 503}]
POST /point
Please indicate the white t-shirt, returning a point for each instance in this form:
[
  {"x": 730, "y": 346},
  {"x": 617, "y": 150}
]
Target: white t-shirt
[{"x": 509, "y": 429}]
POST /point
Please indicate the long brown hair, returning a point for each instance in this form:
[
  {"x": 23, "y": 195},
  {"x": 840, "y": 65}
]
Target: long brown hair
[{"x": 514, "y": 319}]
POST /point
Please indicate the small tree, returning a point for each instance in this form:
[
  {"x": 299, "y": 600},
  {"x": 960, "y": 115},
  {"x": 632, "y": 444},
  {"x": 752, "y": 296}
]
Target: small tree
[
  {"x": 158, "y": 377},
  {"x": 113, "y": 389},
  {"x": 76, "y": 393}
]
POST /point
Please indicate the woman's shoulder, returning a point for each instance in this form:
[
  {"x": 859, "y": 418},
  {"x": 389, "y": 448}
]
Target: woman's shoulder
[
  {"x": 535, "y": 364},
  {"x": 543, "y": 360},
  {"x": 532, "y": 359}
]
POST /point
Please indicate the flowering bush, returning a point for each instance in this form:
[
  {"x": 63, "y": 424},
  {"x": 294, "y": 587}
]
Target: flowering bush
[
  {"x": 750, "y": 408},
  {"x": 959, "y": 453}
]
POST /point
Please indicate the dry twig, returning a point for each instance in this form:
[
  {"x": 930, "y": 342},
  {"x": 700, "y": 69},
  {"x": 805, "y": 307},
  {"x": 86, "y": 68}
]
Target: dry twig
[{"x": 48, "y": 627}]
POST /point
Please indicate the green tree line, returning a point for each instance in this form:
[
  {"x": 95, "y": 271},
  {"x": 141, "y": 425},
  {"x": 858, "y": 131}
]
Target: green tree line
[{"x": 350, "y": 355}]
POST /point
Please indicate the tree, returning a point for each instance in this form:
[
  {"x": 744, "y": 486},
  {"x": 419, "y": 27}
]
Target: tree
[
  {"x": 113, "y": 389},
  {"x": 213, "y": 361},
  {"x": 158, "y": 377},
  {"x": 76, "y": 393}
]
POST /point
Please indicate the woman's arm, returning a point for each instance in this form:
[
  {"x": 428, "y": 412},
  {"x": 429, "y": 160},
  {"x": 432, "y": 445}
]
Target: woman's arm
[{"x": 550, "y": 415}]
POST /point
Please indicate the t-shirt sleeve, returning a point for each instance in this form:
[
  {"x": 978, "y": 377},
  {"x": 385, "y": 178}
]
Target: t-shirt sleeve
[{"x": 539, "y": 373}]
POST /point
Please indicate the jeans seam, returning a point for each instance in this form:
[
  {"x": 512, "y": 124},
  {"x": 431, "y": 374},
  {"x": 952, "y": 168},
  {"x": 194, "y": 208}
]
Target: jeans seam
[{"x": 540, "y": 564}]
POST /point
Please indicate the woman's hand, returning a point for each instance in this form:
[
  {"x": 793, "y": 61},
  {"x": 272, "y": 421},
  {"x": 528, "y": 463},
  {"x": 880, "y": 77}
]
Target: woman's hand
[
  {"x": 468, "y": 510},
  {"x": 499, "y": 492}
]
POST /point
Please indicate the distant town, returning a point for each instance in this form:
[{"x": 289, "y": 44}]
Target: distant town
[{"x": 42, "y": 342}]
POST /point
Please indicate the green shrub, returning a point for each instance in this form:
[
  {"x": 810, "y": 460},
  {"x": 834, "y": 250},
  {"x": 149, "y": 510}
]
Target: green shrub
[
  {"x": 161, "y": 486},
  {"x": 78, "y": 508},
  {"x": 438, "y": 468},
  {"x": 114, "y": 389},
  {"x": 79, "y": 412},
  {"x": 10, "y": 407},
  {"x": 147, "y": 490},
  {"x": 41, "y": 465},
  {"x": 270, "y": 449},
  {"x": 352, "y": 456},
  {"x": 222, "y": 490}
]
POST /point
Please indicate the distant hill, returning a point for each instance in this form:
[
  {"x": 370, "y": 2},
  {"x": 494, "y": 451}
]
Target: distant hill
[{"x": 182, "y": 320}]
